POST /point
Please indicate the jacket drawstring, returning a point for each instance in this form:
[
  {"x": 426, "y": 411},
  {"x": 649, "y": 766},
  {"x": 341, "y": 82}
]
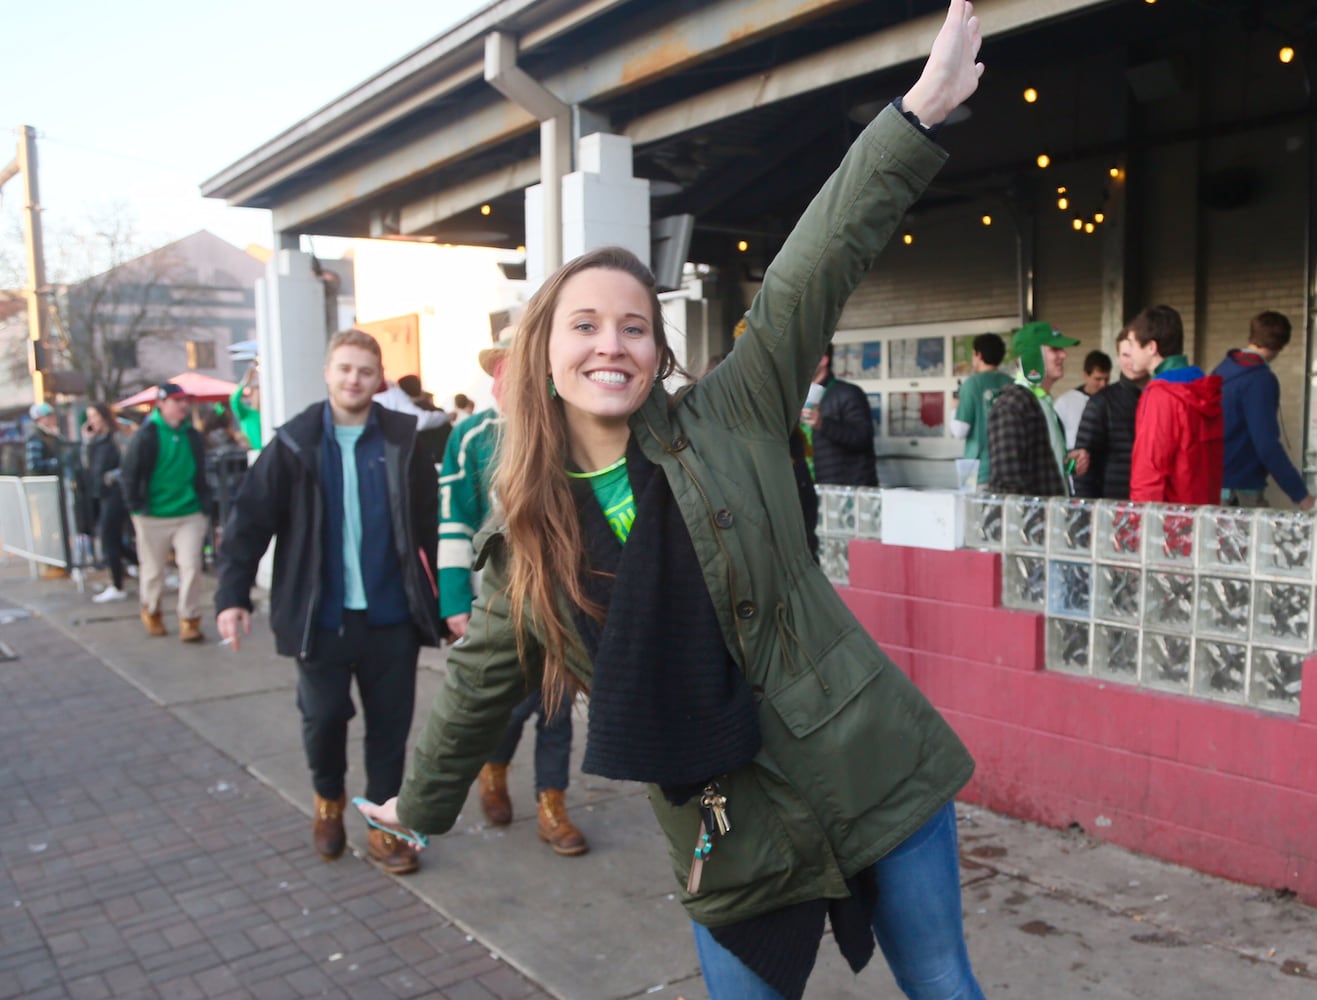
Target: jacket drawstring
[{"x": 785, "y": 632}]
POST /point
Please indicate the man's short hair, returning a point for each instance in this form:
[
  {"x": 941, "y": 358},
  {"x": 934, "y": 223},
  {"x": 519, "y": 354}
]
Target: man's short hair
[
  {"x": 1097, "y": 361},
  {"x": 355, "y": 338},
  {"x": 990, "y": 347},
  {"x": 1270, "y": 330},
  {"x": 1161, "y": 324}
]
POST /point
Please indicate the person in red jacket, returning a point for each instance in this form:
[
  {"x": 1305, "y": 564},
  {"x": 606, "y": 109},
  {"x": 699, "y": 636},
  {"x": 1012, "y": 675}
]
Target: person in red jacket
[{"x": 1179, "y": 429}]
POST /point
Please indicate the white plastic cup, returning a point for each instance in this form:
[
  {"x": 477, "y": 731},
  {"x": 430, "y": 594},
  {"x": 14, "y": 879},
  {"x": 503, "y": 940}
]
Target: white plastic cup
[{"x": 814, "y": 395}]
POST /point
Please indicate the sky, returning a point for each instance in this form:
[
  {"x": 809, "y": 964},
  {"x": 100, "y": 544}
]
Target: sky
[{"x": 139, "y": 102}]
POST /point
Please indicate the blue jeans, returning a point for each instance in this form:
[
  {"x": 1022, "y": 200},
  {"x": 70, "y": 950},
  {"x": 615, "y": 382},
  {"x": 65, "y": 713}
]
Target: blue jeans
[
  {"x": 553, "y": 741},
  {"x": 917, "y": 922}
]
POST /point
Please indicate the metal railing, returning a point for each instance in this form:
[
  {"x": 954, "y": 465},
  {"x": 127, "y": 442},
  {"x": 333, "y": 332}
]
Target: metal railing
[{"x": 36, "y": 514}]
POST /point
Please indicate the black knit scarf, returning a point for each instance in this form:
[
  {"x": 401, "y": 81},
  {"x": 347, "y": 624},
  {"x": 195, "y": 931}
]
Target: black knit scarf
[{"x": 668, "y": 704}]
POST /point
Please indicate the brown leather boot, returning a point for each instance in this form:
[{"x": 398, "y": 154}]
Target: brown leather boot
[
  {"x": 189, "y": 630},
  {"x": 494, "y": 794},
  {"x": 327, "y": 828},
  {"x": 154, "y": 622},
  {"x": 395, "y": 856},
  {"x": 556, "y": 828}
]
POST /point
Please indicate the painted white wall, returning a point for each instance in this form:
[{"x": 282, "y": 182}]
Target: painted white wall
[{"x": 453, "y": 290}]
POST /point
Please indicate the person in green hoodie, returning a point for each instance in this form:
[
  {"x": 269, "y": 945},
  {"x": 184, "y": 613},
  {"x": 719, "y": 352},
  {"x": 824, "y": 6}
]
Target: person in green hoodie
[{"x": 164, "y": 483}]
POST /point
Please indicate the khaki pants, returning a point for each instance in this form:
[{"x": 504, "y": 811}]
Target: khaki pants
[{"x": 155, "y": 537}]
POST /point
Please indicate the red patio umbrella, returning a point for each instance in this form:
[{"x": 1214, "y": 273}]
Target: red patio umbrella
[{"x": 202, "y": 388}]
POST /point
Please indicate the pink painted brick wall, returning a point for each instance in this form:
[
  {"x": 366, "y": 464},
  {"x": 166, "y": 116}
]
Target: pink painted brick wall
[{"x": 1228, "y": 790}]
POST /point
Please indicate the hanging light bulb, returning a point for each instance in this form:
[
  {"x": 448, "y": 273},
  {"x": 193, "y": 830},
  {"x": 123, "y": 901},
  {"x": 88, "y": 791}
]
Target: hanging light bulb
[
  {"x": 1099, "y": 218},
  {"x": 987, "y": 220},
  {"x": 1078, "y": 224},
  {"x": 1115, "y": 172},
  {"x": 908, "y": 238},
  {"x": 1062, "y": 189},
  {"x": 1286, "y": 54},
  {"x": 1044, "y": 161},
  {"x": 485, "y": 209},
  {"x": 1030, "y": 95},
  {"x": 742, "y": 245},
  {"x": 1063, "y": 203},
  {"x": 1089, "y": 227}
]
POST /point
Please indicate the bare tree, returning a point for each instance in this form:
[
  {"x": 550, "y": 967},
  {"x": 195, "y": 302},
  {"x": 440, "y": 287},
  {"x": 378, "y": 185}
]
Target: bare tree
[{"x": 121, "y": 298}]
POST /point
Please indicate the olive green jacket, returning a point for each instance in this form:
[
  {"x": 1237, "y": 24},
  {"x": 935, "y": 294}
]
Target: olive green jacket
[{"x": 854, "y": 758}]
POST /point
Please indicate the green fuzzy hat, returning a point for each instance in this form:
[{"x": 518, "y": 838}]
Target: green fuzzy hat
[{"x": 1027, "y": 345}]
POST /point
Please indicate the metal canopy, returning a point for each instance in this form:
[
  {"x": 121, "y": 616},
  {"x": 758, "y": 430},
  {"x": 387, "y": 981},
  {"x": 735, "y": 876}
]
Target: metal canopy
[{"x": 741, "y": 107}]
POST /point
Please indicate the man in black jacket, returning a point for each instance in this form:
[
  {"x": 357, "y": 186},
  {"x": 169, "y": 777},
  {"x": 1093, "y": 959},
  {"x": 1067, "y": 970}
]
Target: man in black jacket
[
  {"x": 841, "y": 428},
  {"x": 1106, "y": 431},
  {"x": 352, "y": 504}
]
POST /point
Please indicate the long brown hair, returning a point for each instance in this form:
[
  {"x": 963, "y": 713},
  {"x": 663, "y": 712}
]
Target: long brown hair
[
  {"x": 543, "y": 533},
  {"x": 106, "y": 414}
]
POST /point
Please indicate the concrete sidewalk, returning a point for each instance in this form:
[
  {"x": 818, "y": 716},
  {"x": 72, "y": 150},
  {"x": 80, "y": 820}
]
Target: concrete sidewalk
[{"x": 1048, "y": 914}]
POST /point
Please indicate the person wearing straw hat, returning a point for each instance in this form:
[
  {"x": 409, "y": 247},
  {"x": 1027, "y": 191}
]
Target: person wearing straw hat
[{"x": 465, "y": 485}]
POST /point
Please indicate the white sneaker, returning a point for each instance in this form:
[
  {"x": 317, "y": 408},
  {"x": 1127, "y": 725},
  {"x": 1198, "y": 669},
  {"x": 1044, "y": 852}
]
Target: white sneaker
[
  {"x": 110, "y": 593},
  {"x": 131, "y": 570}
]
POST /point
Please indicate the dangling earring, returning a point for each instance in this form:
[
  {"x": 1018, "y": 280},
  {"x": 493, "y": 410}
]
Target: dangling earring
[{"x": 553, "y": 389}]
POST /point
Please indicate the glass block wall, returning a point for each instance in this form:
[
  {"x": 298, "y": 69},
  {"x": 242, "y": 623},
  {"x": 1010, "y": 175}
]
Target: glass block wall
[{"x": 1214, "y": 602}]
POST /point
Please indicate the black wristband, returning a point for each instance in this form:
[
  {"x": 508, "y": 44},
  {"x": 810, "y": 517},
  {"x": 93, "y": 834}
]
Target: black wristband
[{"x": 913, "y": 119}]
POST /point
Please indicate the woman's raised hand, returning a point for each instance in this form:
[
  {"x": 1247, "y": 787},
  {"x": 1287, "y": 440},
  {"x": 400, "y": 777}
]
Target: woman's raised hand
[{"x": 951, "y": 73}]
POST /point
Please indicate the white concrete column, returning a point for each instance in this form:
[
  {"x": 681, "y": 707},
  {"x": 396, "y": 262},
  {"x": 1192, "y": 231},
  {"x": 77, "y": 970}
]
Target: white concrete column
[
  {"x": 603, "y": 204},
  {"x": 290, "y": 325}
]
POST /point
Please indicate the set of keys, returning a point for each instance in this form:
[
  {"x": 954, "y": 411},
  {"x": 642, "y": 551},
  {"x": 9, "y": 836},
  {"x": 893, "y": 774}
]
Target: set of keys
[{"x": 714, "y": 825}]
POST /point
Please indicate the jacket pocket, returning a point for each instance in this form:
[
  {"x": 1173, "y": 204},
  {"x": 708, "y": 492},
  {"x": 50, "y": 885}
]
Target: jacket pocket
[
  {"x": 755, "y": 847},
  {"x": 821, "y": 684}
]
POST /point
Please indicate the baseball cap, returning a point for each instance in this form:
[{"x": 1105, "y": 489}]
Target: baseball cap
[
  {"x": 166, "y": 389},
  {"x": 1027, "y": 343},
  {"x": 491, "y": 356},
  {"x": 38, "y": 410}
]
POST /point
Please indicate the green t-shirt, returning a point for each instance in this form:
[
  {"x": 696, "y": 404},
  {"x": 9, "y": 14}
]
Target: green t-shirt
[
  {"x": 612, "y": 488},
  {"x": 172, "y": 491},
  {"x": 976, "y": 395}
]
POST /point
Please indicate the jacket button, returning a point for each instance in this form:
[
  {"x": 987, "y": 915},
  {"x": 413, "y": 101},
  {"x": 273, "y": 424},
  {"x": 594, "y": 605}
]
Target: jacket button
[
  {"x": 723, "y": 518},
  {"x": 679, "y": 443},
  {"x": 746, "y": 609}
]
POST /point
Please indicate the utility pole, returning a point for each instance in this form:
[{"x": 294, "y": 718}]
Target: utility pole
[{"x": 26, "y": 165}]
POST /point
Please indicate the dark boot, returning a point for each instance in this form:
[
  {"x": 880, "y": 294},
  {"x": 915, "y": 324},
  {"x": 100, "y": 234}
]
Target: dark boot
[
  {"x": 556, "y": 829},
  {"x": 395, "y": 856},
  {"x": 494, "y": 794},
  {"x": 327, "y": 828}
]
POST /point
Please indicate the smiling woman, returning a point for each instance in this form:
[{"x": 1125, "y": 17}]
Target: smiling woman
[
  {"x": 648, "y": 549},
  {"x": 602, "y": 359}
]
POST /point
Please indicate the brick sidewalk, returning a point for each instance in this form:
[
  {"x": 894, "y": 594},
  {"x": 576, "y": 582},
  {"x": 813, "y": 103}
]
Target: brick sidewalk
[{"x": 139, "y": 861}]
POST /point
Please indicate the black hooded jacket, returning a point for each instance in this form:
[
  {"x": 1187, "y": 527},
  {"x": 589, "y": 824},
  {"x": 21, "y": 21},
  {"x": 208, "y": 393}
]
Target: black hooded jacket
[
  {"x": 1107, "y": 433},
  {"x": 282, "y": 498}
]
